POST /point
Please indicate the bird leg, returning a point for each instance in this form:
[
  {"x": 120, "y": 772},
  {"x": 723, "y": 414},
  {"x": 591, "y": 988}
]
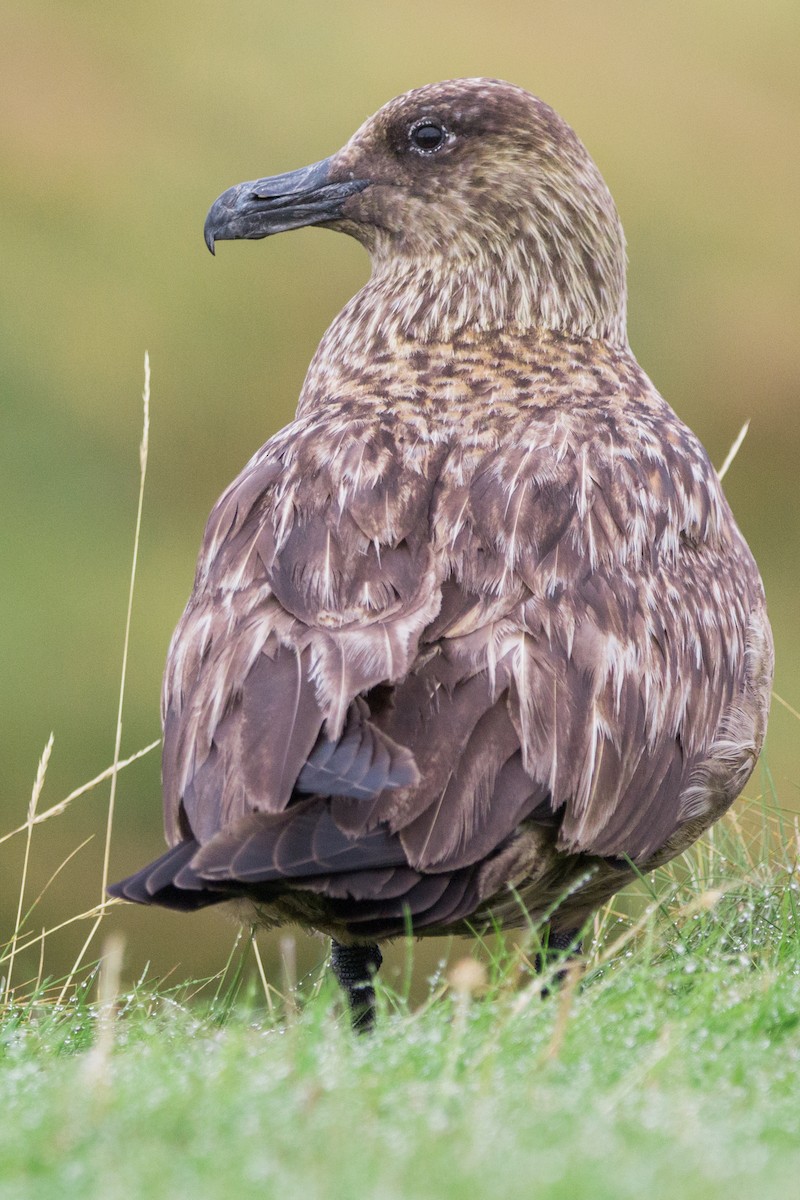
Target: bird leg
[
  {"x": 355, "y": 968},
  {"x": 554, "y": 943}
]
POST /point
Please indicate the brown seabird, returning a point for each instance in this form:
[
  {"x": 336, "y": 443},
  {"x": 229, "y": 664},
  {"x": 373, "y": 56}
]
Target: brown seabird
[{"x": 476, "y": 636}]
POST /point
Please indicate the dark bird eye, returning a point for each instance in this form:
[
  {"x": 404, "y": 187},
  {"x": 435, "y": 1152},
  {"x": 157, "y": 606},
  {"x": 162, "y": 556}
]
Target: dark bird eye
[{"x": 427, "y": 136}]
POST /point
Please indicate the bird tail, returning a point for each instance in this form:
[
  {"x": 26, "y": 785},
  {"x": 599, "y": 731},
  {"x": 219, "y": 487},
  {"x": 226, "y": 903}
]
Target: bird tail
[{"x": 154, "y": 884}]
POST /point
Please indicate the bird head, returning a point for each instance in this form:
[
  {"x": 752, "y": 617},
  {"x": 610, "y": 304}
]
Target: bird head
[{"x": 474, "y": 199}]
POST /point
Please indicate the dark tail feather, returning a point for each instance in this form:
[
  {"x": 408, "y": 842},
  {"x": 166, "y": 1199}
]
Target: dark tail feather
[
  {"x": 361, "y": 764},
  {"x": 154, "y": 883}
]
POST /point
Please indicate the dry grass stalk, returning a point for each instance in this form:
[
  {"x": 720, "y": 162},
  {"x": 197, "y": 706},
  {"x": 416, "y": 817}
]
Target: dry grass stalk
[
  {"x": 571, "y": 977},
  {"x": 36, "y": 792},
  {"x": 786, "y": 705},
  {"x": 143, "y": 450},
  {"x": 468, "y": 978},
  {"x": 98, "y": 1059},
  {"x": 734, "y": 450},
  {"x": 266, "y": 985},
  {"x": 57, "y": 809},
  {"x": 104, "y": 900},
  {"x": 288, "y": 949}
]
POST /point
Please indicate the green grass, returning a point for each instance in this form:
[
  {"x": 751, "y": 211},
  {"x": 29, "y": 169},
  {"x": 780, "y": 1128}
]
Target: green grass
[{"x": 670, "y": 1067}]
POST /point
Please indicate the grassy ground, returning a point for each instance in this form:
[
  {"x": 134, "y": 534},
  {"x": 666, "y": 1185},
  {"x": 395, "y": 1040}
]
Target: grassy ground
[{"x": 666, "y": 1065}]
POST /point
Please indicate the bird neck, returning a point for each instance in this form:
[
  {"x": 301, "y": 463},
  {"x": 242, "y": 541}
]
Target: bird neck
[{"x": 444, "y": 295}]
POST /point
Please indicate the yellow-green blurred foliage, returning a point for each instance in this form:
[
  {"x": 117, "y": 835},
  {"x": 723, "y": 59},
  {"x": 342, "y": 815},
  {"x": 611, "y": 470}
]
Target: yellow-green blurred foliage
[{"x": 119, "y": 124}]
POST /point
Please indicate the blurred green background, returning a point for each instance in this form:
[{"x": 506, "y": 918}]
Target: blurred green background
[{"x": 120, "y": 124}]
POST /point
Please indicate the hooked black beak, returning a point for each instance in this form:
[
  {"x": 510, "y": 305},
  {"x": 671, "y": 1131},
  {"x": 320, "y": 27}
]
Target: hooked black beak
[{"x": 266, "y": 206}]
